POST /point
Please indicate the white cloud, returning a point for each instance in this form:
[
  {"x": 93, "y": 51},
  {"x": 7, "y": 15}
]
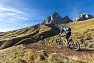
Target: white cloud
[
  {"x": 12, "y": 15},
  {"x": 74, "y": 12},
  {"x": 10, "y": 10},
  {"x": 5, "y": 29}
]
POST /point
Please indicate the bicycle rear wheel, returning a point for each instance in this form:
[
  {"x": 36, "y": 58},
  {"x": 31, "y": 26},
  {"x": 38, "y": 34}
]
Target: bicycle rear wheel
[{"x": 74, "y": 45}]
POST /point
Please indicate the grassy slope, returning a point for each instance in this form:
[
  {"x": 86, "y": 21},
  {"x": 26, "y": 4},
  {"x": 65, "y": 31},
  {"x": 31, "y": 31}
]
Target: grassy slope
[
  {"x": 17, "y": 33},
  {"x": 83, "y": 30},
  {"x": 17, "y": 54},
  {"x": 21, "y": 54},
  {"x": 23, "y": 32},
  {"x": 12, "y": 37},
  {"x": 82, "y": 26}
]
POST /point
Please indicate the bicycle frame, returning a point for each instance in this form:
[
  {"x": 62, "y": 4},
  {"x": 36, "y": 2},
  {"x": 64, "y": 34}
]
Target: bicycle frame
[{"x": 63, "y": 39}]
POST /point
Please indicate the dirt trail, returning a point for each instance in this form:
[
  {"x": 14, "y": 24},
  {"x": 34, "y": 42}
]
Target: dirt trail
[{"x": 82, "y": 54}]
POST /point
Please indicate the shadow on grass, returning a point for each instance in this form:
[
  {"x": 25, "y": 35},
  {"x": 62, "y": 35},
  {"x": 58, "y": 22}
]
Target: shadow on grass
[
  {"x": 86, "y": 50},
  {"x": 13, "y": 41},
  {"x": 54, "y": 31}
]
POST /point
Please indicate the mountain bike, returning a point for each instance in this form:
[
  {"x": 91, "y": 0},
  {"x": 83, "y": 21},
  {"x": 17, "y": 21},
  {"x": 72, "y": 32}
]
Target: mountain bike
[{"x": 72, "y": 44}]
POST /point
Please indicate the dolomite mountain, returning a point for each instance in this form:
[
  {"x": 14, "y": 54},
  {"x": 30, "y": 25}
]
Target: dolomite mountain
[
  {"x": 83, "y": 16},
  {"x": 56, "y": 19}
]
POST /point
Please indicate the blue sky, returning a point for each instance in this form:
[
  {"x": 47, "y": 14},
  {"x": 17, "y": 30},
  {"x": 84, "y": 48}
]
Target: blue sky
[{"x": 16, "y": 14}]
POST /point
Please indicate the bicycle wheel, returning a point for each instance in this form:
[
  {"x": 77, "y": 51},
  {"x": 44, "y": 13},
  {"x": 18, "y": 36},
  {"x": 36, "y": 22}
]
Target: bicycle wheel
[
  {"x": 74, "y": 45},
  {"x": 59, "y": 43}
]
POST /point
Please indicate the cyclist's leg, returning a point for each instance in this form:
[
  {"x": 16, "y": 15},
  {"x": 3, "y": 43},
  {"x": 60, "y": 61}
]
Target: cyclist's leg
[{"x": 67, "y": 37}]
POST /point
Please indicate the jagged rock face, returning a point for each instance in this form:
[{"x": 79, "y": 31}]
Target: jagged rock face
[
  {"x": 84, "y": 16},
  {"x": 56, "y": 19}
]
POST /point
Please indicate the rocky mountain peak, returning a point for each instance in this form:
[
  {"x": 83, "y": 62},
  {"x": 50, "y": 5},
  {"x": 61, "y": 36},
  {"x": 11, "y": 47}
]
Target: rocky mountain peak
[
  {"x": 55, "y": 18},
  {"x": 55, "y": 14},
  {"x": 83, "y": 16}
]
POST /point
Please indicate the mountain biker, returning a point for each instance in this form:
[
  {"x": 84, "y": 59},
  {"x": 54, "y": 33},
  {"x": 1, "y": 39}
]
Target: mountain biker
[{"x": 67, "y": 30}]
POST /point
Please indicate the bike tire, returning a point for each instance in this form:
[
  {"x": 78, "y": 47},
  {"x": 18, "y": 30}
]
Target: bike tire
[{"x": 74, "y": 45}]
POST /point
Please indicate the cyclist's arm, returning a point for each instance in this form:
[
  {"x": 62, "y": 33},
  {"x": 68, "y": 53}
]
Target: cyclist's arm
[{"x": 61, "y": 31}]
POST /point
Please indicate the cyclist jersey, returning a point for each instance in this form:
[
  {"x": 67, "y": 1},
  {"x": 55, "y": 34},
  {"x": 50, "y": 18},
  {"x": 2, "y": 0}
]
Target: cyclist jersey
[{"x": 67, "y": 30}]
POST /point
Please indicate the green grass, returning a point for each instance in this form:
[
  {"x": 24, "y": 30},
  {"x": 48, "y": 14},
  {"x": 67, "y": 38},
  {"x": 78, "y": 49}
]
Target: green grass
[
  {"x": 84, "y": 31},
  {"x": 24, "y": 55},
  {"x": 20, "y": 36}
]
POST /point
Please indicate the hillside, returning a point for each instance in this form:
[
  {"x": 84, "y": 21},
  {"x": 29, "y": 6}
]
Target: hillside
[
  {"x": 83, "y": 25},
  {"x": 34, "y": 50},
  {"x": 18, "y": 33},
  {"x": 80, "y": 30},
  {"x": 32, "y": 33},
  {"x": 84, "y": 31},
  {"x": 44, "y": 54}
]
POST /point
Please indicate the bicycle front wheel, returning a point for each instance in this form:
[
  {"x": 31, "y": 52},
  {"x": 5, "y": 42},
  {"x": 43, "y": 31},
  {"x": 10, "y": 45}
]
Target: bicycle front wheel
[{"x": 74, "y": 45}]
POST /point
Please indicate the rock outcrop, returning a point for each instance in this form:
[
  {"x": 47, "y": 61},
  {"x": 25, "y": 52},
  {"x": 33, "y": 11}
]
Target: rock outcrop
[
  {"x": 56, "y": 19},
  {"x": 83, "y": 16}
]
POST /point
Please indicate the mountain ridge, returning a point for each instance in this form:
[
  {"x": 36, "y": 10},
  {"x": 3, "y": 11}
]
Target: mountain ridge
[
  {"x": 83, "y": 16},
  {"x": 55, "y": 18}
]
